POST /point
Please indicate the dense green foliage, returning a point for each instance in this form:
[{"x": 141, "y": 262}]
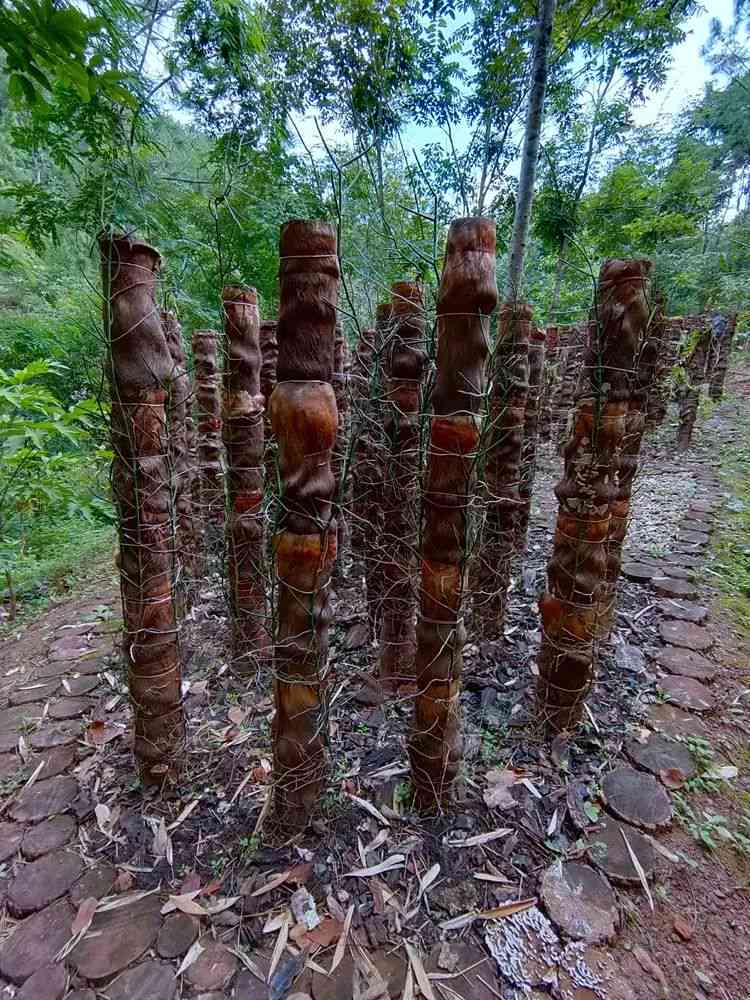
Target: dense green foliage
[{"x": 204, "y": 124}]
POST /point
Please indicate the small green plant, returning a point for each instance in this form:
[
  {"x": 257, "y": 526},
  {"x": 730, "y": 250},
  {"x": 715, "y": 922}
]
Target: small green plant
[
  {"x": 711, "y": 830},
  {"x": 403, "y": 794},
  {"x": 249, "y": 846}
]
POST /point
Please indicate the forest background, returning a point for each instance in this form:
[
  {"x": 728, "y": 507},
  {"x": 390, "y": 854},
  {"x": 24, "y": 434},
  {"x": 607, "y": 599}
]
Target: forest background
[{"x": 204, "y": 124}]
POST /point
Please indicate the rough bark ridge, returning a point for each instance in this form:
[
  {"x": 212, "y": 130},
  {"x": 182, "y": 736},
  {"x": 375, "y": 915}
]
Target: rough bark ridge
[
  {"x": 657, "y": 391},
  {"x": 574, "y": 339},
  {"x": 341, "y": 451},
  {"x": 502, "y": 469},
  {"x": 698, "y": 331},
  {"x": 723, "y": 335},
  {"x": 139, "y": 370},
  {"x": 530, "y": 434},
  {"x": 466, "y": 297},
  {"x": 242, "y": 429},
  {"x": 179, "y": 406},
  {"x": 651, "y": 345},
  {"x": 269, "y": 349},
  {"x": 549, "y": 384},
  {"x": 405, "y": 363},
  {"x": 572, "y": 608},
  {"x": 210, "y": 470},
  {"x": 304, "y": 420}
]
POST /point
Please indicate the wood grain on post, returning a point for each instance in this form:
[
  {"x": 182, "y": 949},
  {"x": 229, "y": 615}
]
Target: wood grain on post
[
  {"x": 502, "y": 469},
  {"x": 341, "y": 471},
  {"x": 573, "y": 610},
  {"x": 305, "y": 422},
  {"x": 466, "y": 297},
  {"x": 208, "y": 408},
  {"x": 695, "y": 365},
  {"x": 530, "y": 436},
  {"x": 242, "y": 429},
  {"x": 549, "y": 384},
  {"x": 405, "y": 364},
  {"x": 269, "y": 349},
  {"x": 139, "y": 369}
]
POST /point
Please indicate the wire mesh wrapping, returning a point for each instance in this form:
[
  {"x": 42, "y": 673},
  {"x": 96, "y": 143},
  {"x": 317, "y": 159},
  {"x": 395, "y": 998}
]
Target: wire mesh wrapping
[
  {"x": 269, "y": 349},
  {"x": 501, "y": 469},
  {"x": 574, "y": 606},
  {"x": 341, "y": 468},
  {"x": 405, "y": 359},
  {"x": 549, "y": 383},
  {"x": 210, "y": 447},
  {"x": 466, "y": 297},
  {"x": 180, "y": 428},
  {"x": 723, "y": 328},
  {"x": 530, "y": 436},
  {"x": 305, "y": 421},
  {"x": 573, "y": 342},
  {"x": 242, "y": 430},
  {"x": 697, "y": 339},
  {"x": 368, "y": 437},
  {"x": 139, "y": 370}
]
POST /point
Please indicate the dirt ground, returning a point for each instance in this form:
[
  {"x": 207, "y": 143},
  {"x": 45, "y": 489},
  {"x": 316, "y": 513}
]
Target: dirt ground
[{"x": 109, "y": 888}]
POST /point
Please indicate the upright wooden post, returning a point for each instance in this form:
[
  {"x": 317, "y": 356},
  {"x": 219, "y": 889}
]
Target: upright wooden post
[
  {"x": 305, "y": 421},
  {"x": 466, "y": 297},
  {"x": 405, "y": 364},
  {"x": 573, "y": 609},
  {"x": 530, "y": 435},
  {"x": 269, "y": 349},
  {"x": 699, "y": 337},
  {"x": 210, "y": 467},
  {"x": 341, "y": 450},
  {"x": 549, "y": 384},
  {"x": 139, "y": 369},
  {"x": 242, "y": 427},
  {"x": 723, "y": 330}
]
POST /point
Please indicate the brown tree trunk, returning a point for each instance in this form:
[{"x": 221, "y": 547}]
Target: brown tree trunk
[
  {"x": 242, "y": 427},
  {"x": 656, "y": 390},
  {"x": 341, "y": 451},
  {"x": 304, "y": 420},
  {"x": 405, "y": 364},
  {"x": 139, "y": 370},
  {"x": 549, "y": 384},
  {"x": 575, "y": 340},
  {"x": 530, "y": 434},
  {"x": 723, "y": 337},
  {"x": 179, "y": 406},
  {"x": 210, "y": 469},
  {"x": 695, "y": 374},
  {"x": 571, "y": 609},
  {"x": 269, "y": 349},
  {"x": 466, "y": 298},
  {"x": 502, "y": 469}
]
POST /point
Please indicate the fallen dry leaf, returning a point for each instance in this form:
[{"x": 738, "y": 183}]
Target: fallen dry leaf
[{"x": 84, "y": 916}]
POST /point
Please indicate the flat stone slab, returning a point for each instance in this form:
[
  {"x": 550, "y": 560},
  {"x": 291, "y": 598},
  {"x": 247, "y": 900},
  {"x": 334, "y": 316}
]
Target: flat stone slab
[
  {"x": 15, "y": 718},
  {"x": 177, "y": 933},
  {"x": 466, "y": 956},
  {"x": 676, "y": 572},
  {"x": 56, "y": 761},
  {"x": 214, "y": 967},
  {"x": 696, "y": 524},
  {"x": 44, "y": 799},
  {"x": 97, "y": 882},
  {"x": 36, "y": 941},
  {"x": 92, "y": 664},
  {"x": 52, "y": 668},
  {"x": 116, "y": 938},
  {"x": 40, "y": 882},
  {"x": 77, "y": 686},
  {"x": 687, "y": 663},
  {"x": 47, "y": 983},
  {"x": 672, "y": 721},
  {"x": 70, "y": 708},
  {"x": 693, "y": 537},
  {"x": 48, "y": 836},
  {"x": 147, "y": 981},
  {"x": 685, "y": 560},
  {"x": 56, "y": 734},
  {"x": 685, "y": 692},
  {"x": 684, "y": 611},
  {"x": 34, "y": 693},
  {"x": 636, "y": 798},
  {"x": 704, "y": 506},
  {"x": 11, "y": 836},
  {"x": 688, "y": 635},
  {"x": 580, "y": 902},
  {"x": 668, "y": 586},
  {"x": 637, "y": 571},
  {"x": 606, "y": 849},
  {"x": 10, "y": 765},
  {"x": 660, "y": 754}
]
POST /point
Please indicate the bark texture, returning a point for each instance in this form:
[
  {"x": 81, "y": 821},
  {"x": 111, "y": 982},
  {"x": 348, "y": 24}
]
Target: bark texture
[
  {"x": 210, "y": 467},
  {"x": 502, "y": 469},
  {"x": 341, "y": 451},
  {"x": 698, "y": 331},
  {"x": 549, "y": 384},
  {"x": 305, "y": 421},
  {"x": 405, "y": 363},
  {"x": 466, "y": 297},
  {"x": 179, "y": 407},
  {"x": 530, "y": 435},
  {"x": 269, "y": 349},
  {"x": 139, "y": 371},
  {"x": 242, "y": 428},
  {"x": 574, "y": 338},
  {"x": 657, "y": 391},
  {"x": 723, "y": 330},
  {"x": 573, "y": 610}
]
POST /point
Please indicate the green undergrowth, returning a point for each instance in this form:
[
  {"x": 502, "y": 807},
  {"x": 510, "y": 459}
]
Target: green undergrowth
[{"x": 732, "y": 562}]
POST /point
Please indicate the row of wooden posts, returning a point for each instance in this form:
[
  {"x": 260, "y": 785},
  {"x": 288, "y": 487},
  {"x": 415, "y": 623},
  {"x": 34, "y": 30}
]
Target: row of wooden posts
[{"x": 280, "y": 508}]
